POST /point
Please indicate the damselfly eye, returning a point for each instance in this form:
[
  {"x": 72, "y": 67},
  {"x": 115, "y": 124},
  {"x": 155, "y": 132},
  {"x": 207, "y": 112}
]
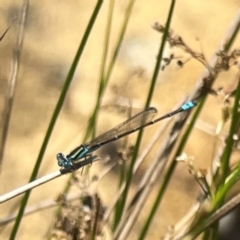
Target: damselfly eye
[
  {"x": 60, "y": 156},
  {"x": 62, "y": 160}
]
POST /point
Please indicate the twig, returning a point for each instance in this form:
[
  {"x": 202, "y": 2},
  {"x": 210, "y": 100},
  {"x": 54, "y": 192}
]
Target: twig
[
  {"x": 221, "y": 212},
  {"x": 16, "y": 55},
  {"x": 3, "y": 35},
  {"x": 46, "y": 179},
  {"x": 29, "y": 186},
  {"x": 177, "y": 41},
  {"x": 37, "y": 207}
]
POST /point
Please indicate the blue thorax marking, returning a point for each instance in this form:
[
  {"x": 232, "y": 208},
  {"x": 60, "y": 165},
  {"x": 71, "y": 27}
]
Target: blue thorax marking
[{"x": 81, "y": 152}]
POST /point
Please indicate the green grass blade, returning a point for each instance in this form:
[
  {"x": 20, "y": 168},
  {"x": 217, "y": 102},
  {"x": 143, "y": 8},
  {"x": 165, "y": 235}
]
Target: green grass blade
[
  {"x": 105, "y": 79},
  {"x": 150, "y": 94},
  {"x": 55, "y": 116},
  {"x": 169, "y": 174}
]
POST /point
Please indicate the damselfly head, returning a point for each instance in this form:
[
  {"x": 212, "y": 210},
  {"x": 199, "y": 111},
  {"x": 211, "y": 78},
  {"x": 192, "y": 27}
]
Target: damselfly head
[{"x": 62, "y": 160}]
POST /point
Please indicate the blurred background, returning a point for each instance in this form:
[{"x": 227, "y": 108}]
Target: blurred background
[{"x": 53, "y": 32}]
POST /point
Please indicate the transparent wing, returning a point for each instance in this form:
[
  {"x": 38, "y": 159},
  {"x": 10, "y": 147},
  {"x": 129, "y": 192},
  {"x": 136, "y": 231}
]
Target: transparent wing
[{"x": 124, "y": 128}]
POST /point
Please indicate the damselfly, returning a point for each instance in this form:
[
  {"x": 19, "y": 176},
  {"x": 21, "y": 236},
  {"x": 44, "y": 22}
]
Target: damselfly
[{"x": 133, "y": 124}]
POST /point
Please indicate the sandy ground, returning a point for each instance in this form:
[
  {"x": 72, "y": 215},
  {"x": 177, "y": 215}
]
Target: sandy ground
[{"x": 54, "y": 30}]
